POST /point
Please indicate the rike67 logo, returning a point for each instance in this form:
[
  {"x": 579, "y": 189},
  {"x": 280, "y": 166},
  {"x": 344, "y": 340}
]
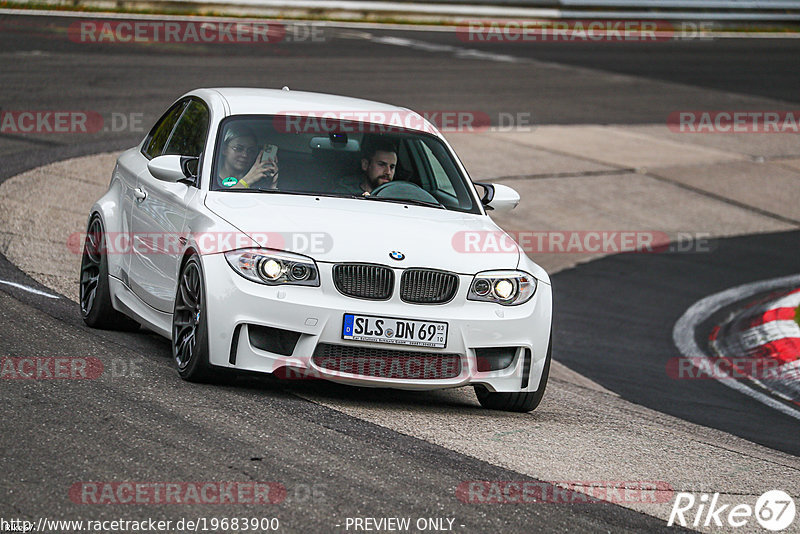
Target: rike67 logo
[{"x": 774, "y": 510}]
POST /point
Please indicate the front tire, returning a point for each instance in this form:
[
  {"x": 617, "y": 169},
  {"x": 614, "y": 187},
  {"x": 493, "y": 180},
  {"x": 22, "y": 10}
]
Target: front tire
[
  {"x": 522, "y": 401},
  {"x": 190, "y": 324},
  {"x": 95, "y": 293}
]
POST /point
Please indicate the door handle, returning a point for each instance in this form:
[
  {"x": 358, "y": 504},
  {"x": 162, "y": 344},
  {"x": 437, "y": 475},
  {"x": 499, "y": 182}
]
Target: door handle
[{"x": 140, "y": 194}]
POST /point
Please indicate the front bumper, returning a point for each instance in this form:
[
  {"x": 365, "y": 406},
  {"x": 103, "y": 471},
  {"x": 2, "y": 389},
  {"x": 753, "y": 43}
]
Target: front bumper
[{"x": 235, "y": 305}]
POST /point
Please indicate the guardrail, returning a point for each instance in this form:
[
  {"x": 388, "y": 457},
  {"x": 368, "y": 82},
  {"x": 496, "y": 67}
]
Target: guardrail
[
  {"x": 712, "y": 10},
  {"x": 705, "y": 10},
  {"x": 732, "y": 11},
  {"x": 690, "y": 5},
  {"x": 684, "y": 4}
]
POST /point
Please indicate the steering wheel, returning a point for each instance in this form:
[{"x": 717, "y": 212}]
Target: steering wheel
[{"x": 402, "y": 190}]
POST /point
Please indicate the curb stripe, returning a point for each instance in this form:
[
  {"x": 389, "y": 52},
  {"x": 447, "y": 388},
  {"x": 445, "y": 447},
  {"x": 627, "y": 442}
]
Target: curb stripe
[
  {"x": 683, "y": 333},
  {"x": 768, "y": 333},
  {"x": 774, "y": 314},
  {"x": 784, "y": 350}
]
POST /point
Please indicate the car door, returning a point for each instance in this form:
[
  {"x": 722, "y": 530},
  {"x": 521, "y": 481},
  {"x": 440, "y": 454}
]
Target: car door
[
  {"x": 159, "y": 213},
  {"x": 129, "y": 166},
  {"x": 124, "y": 181}
]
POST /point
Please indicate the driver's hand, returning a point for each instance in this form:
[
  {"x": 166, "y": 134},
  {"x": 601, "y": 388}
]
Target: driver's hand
[
  {"x": 261, "y": 170},
  {"x": 272, "y": 175}
]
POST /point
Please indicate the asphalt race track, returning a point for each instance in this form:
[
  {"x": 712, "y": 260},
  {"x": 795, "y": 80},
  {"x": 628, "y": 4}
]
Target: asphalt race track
[
  {"x": 614, "y": 315},
  {"x": 632, "y": 355}
]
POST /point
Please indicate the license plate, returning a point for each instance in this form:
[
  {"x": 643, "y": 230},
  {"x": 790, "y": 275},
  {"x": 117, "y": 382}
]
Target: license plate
[{"x": 394, "y": 330}]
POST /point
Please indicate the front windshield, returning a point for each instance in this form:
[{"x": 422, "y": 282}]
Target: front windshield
[{"x": 305, "y": 155}]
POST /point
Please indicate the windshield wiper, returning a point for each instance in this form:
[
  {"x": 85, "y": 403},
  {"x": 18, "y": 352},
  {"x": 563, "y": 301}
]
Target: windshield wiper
[
  {"x": 404, "y": 201},
  {"x": 273, "y": 191},
  {"x": 252, "y": 190}
]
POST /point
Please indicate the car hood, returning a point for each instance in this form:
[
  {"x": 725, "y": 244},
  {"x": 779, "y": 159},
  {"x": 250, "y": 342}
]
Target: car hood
[{"x": 354, "y": 230}]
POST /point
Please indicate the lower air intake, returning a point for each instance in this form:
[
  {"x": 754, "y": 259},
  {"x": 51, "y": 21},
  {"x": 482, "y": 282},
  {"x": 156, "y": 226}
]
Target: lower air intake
[{"x": 384, "y": 363}]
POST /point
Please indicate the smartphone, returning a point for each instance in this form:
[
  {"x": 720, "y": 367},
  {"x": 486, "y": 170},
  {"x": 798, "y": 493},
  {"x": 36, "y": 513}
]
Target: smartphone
[{"x": 269, "y": 153}]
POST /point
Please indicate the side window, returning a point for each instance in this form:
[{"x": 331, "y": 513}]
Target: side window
[
  {"x": 159, "y": 135},
  {"x": 440, "y": 175},
  {"x": 189, "y": 136},
  {"x": 405, "y": 169}
]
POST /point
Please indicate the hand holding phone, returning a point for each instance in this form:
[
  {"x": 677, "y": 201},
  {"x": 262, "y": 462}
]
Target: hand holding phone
[
  {"x": 269, "y": 153},
  {"x": 269, "y": 156}
]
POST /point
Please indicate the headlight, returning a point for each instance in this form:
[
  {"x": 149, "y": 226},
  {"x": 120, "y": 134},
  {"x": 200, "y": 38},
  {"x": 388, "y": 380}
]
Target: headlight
[
  {"x": 503, "y": 287},
  {"x": 273, "y": 268}
]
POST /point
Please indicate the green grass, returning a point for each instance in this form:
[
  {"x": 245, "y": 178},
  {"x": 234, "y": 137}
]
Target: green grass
[{"x": 797, "y": 315}]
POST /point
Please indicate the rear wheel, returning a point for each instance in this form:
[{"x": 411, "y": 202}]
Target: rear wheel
[
  {"x": 523, "y": 401},
  {"x": 189, "y": 324},
  {"x": 95, "y": 295}
]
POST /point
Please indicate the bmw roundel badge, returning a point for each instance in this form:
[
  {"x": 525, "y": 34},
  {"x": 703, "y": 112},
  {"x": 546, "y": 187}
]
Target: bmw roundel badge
[{"x": 395, "y": 255}]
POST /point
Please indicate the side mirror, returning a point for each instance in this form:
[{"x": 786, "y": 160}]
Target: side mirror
[
  {"x": 498, "y": 197},
  {"x": 174, "y": 168}
]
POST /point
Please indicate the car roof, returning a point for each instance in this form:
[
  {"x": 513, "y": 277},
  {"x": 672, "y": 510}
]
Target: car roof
[{"x": 247, "y": 101}]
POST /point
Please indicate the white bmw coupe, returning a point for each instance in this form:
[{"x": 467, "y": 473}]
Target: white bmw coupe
[{"x": 309, "y": 235}]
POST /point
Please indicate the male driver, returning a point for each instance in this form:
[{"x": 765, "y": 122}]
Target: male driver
[{"x": 378, "y": 163}]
